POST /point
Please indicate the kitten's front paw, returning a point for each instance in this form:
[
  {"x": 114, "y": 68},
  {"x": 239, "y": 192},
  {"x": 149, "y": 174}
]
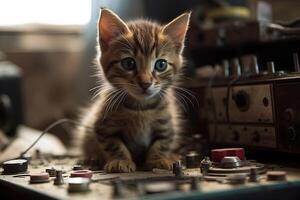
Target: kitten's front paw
[
  {"x": 119, "y": 166},
  {"x": 162, "y": 163}
]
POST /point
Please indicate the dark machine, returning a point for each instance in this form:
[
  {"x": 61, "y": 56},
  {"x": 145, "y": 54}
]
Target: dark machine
[{"x": 10, "y": 97}]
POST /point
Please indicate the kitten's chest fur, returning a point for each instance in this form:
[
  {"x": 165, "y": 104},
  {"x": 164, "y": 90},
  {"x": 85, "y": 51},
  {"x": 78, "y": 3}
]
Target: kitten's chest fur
[{"x": 137, "y": 130}]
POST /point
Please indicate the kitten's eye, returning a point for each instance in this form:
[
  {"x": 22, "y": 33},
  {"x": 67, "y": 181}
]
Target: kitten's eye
[
  {"x": 128, "y": 64},
  {"x": 161, "y": 65}
]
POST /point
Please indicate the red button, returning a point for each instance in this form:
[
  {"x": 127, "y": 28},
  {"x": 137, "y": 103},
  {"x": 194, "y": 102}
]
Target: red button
[
  {"x": 82, "y": 173},
  {"x": 218, "y": 154},
  {"x": 39, "y": 178}
]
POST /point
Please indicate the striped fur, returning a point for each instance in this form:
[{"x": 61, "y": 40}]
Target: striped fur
[{"x": 133, "y": 128}]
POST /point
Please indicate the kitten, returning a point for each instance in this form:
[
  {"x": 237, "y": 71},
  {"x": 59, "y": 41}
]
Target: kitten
[{"x": 135, "y": 117}]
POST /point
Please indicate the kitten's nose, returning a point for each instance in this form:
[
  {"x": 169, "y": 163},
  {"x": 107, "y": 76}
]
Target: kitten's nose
[{"x": 145, "y": 85}]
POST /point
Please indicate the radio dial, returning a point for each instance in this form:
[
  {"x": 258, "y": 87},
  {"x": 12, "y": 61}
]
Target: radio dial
[
  {"x": 242, "y": 100},
  {"x": 289, "y": 115},
  {"x": 292, "y": 133}
]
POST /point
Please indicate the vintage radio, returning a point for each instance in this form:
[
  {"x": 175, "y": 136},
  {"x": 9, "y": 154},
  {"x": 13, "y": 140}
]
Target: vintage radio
[{"x": 255, "y": 109}]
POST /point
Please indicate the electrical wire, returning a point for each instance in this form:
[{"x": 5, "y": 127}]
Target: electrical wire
[{"x": 51, "y": 126}]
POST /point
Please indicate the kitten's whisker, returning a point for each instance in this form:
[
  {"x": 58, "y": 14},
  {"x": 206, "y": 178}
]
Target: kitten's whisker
[
  {"x": 99, "y": 74},
  {"x": 101, "y": 90},
  {"x": 162, "y": 94},
  {"x": 122, "y": 95},
  {"x": 125, "y": 84},
  {"x": 184, "y": 97},
  {"x": 116, "y": 99},
  {"x": 189, "y": 93},
  {"x": 107, "y": 104},
  {"x": 96, "y": 87},
  {"x": 96, "y": 94},
  {"x": 182, "y": 102}
]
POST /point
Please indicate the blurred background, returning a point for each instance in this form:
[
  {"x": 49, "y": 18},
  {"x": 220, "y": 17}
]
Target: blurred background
[{"x": 49, "y": 46}]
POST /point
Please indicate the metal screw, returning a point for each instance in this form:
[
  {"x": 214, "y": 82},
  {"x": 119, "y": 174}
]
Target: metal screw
[
  {"x": 59, "y": 180},
  {"x": 253, "y": 176},
  {"x": 117, "y": 188},
  {"x": 205, "y": 165},
  {"x": 195, "y": 184},
  {"x": 177, "y": 168}
]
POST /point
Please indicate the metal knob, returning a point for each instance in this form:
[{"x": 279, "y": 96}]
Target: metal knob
[
  {"x": 192, "y": 160},
  {"x": 231, "y": 162},
  {"x": 236, "y": 68},
  {"x": 51, "y": 171},
  {"x": 225, "y": 67},
  {"x": 242, "y": 100},
  {"x": 117, "y": 188},
  {"x": 253, "y": 176},
  {"x": 271, "y": 67},
  {"x": 249, "y": 65},
  {"x": 296, "y": 62},
  {"x": 15, "y": 166},
  {"x": 195, "y": 184},
  {"x": 205, "y": 165},
  {"x": 78, "y": 184},
  {"x": 253, "y": 65},
  {"x": 177, "y": 168},
  {"x": 59, "y": 179}
]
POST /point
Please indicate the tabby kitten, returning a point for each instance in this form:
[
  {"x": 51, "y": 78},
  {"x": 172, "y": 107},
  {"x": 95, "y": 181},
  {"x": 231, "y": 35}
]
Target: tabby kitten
[{"x": 135, "y": 116}]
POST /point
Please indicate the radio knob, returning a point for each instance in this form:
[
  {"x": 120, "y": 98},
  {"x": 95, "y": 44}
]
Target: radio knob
[
  {"x": 236, "y": 68},
  {"x": 242, "y": 100},
  {"x": 296, "y": 62},
  {"x": 253, "y": 65},
  {"x": 225, "y": 67},
  {"x": 289, "y": 115},
  {"x": 256, "y": 137},
  {"x": 292, "y": 133},
  {"x": 271, "y": 67}
]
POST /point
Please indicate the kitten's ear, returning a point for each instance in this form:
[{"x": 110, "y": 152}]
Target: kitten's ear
[
  {"x": 177, "y": 29},
  {"x": 110, "y": 26}
]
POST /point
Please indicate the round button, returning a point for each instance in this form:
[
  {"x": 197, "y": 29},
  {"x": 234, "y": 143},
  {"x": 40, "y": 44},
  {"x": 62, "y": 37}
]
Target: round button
[
  {"x": 78, "y": 184},
  {"x": 231, "y": 162},
  {"x": 292, "y": 133},
  {"x": 15, "y": 166},
  {"x": 82, "y": 173},
  {"x": 276, "y": 175},
  {"x": 265, "y": 101},
  {"x": 192, "y": 160},
  {"x": 39, "y": 178},
  {"x": 237, "y": 178},
  {"x": 77, "y": 167},
  {"x": 289, "y": 115},
  {"x": 242, "y": 100},
  {"x": 218, "y": 154},
  {"x": 51, "y": 171}
]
